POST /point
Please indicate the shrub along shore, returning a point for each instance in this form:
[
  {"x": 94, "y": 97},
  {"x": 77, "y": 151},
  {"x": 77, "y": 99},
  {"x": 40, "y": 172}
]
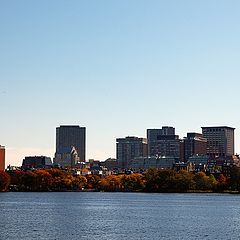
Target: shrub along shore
[{"x": 153, "y": 180}]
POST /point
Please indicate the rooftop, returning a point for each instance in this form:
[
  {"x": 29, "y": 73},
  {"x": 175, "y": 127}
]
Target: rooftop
[{"x": 219, "y": 127}]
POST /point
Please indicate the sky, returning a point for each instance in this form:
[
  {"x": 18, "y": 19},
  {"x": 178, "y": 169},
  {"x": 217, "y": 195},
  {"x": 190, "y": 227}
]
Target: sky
[{"x": 116, "y": 68}]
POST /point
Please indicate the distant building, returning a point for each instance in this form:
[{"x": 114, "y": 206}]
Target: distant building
[
  {"x": 194, "y": 144},
  {"x": 152, "y": 137},
  {"x": 223, "y": 164},
  {"x": 198, "y": 163},
  {"x": 84, "y": 172},
  {"x": 66, "y": 157},
  {"x": 229, "y": 163},
  {"x": 178, "y": 166},
  {"x": 152, "y": 162},
  {"x": 128, "y": 148},
  {"x": 94, "y": 164},
  {"x": 71, "y": 136},
  {"x": 110, "y": 163},
  {"x": 2, "y": 158},
  {"x": 220, "y": 141},
  {"x": 164, "y": 142},
  {"x": 36, "y": 162}
]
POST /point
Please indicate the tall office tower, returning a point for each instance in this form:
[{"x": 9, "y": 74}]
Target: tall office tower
[
  {"x": 128, "y": 148},
  {"x": 220, "y": 141},
  {"x": 71, "y": 136},
  {"x": 164, "y": 142},
  {"x": 2, "y": 158},
  {"x": 194, "y": 144}
]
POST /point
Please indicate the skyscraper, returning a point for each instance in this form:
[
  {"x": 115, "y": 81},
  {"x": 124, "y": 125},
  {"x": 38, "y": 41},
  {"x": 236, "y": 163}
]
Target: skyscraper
[
  {"x": 2, "y": 158},
  {"x": 71, "y": 136},
  {"x": 220, "y": 141},
  {"x": 128, "y": 148}
]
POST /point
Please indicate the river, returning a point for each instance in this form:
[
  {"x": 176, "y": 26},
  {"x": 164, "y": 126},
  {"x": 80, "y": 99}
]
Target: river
[{"x": 118, "y": 216}]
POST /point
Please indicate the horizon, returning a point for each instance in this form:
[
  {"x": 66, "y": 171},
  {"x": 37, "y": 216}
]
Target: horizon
[
  {"x": 87, "y": 159},
  {"x": 116, "y": 68}
]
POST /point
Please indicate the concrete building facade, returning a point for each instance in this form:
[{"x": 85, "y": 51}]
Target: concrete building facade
[
  {"x": 220, "y": 141},
  {"x": 128, "y": 148},
  {"x": 164, "y": 142},
  {"x": 194, "y": 144}
]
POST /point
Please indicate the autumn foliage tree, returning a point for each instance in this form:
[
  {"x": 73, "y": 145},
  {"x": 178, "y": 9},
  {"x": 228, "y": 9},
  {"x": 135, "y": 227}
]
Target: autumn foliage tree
[
  {"x": 79, "y": 182},
  {"x": 153, "y": 180},
  {"x": 202, "y": 181},
  {"x": 110, "y": 183},
  {"x": 28, "y": 181},
  {"x": 222, "y": 183},
  {"x": 4, "y": 181},
  {"x": 132, "y": 182},
  {"x": 43, "y": 180},
  {"x": 93, "y": 182}
]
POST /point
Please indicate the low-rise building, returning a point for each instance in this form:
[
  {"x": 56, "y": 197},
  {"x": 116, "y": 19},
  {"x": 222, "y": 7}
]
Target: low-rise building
[
  {"x": 199, "y": 163},
  {"x": 66, "y": 157},
  {"x": 223, "y": 164},
  {"x": 187, "y": 166},
  {"x": 153, "y": 162},
  {"x": 36, "y": 162},
  {"x": 111, "y": 164}
]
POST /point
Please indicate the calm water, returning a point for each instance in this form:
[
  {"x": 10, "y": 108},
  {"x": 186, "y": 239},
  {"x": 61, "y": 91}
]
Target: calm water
[{"x": 73, "y": 215}]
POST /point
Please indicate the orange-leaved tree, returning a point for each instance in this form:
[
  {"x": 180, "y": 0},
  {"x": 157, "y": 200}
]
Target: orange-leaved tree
[
  {"x": 110, "y": 183},
  {"x": 4, "y": 181},
  {"x": 132, "y": 182}
]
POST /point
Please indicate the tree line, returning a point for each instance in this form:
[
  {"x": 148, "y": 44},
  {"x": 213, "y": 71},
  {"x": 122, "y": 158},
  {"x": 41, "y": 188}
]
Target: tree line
[{"x": 153, "y": 180}]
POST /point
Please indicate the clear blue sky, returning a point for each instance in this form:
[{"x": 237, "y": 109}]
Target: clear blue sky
[{"x": 117, "y": 68}]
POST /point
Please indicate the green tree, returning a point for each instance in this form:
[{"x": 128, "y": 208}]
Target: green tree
[
  {"x": 184, "y": 181},
  {"x": 212, "y": 182},
  {"x": 151, "y": 180},
  {"x": 235, "y": 178},
  {"x": 202, "y": 181},
  {"x": 166, "y": 180},
  {"x": 160, "y": 180}
]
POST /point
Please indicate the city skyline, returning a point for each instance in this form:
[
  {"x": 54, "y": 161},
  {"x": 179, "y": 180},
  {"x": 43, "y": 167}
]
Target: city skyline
[
  {"x": 117, "y": 68},
  {"x": 164, "y": 130}
]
